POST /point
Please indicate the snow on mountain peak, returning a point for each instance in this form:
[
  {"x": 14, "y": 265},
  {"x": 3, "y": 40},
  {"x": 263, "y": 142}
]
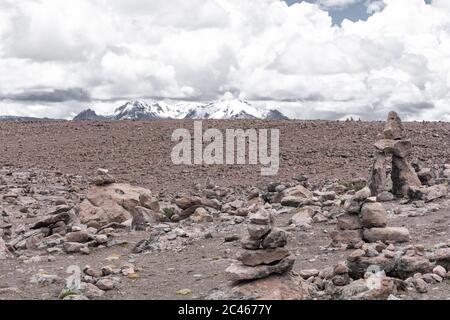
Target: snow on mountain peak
[
  {"x": 142, "y": 110},
  {"x": 225, "y": 108}
]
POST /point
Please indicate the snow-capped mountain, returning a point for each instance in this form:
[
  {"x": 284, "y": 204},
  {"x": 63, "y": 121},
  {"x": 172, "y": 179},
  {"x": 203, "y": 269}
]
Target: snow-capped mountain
[
  {"x": 142, "y": 111},
  {"x": 274, "y": 114},
  {"x": 221, "y": 109},
  {"x": 225, "y": 109}
]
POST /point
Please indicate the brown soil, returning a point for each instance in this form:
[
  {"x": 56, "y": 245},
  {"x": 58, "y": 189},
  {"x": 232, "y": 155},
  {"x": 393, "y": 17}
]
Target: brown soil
[{"x": 139, "y": 152}]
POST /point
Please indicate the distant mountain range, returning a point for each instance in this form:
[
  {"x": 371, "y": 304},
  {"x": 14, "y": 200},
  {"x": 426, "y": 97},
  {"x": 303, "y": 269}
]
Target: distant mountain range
[
  {"x": 22, "y": 119},
  {"x": 140, "y": 110},
  {"x": 222, "y": 109}
]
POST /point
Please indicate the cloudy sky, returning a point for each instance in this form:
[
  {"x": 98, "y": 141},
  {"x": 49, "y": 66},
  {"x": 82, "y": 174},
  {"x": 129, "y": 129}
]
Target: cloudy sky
[{"x": 314, "y": 58}]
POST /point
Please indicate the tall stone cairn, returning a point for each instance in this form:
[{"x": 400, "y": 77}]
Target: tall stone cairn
[
  {"x": 393, "y": 145},
  {"x": 264, "y": 251}
]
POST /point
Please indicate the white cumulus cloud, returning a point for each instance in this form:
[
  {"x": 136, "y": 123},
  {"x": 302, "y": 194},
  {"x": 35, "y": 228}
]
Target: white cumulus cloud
[{"x": 260, "y": 50}]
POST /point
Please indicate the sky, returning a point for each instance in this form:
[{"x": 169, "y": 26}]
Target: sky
[
  {"x": 326, "y": 59},
  {"x": 353, "y": 10}
]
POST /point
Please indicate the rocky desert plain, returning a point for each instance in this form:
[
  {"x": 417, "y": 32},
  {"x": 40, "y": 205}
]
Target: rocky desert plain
[{"x": 96, "y": 210}]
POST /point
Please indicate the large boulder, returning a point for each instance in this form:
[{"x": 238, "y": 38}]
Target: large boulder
[
  {"x": 275, "y": 287},
  {"x": 389, "y": 234},
  {"x": 110, "y": 203}
]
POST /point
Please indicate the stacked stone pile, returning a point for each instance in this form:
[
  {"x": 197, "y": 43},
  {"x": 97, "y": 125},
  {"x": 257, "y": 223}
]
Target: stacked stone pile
[
  {"x": 264, "y": 250},
  {"x": 365, "y": 218},
  {"x": 393, "y": 146}
]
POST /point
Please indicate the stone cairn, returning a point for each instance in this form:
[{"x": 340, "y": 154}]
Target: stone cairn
[
  {"x": 365, "y": 218},
  {"x": 264, "y": 250},
  {"x": 393, "y": 146}
]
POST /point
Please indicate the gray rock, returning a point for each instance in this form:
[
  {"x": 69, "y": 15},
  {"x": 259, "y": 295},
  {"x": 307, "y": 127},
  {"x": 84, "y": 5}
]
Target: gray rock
[
  {"x": 363, "y": 290},
  {"x": 385, "y": 196},
  {"x": 92, "y": 292},
  {"x": 407, "y": 266},
  {"x": 45, "y": 279},
  {"x": 79, "y": 236},
  {"x": 373, "y": 215},
  {"x": 240, "y": 272},
  {"x": 251, "y": 244},
  {"x": 60, "y": 209},
  {"x": 261, "y": 257},
  {"x": 427, "y": 194},
  {"x": 186, "y": 202},
  {"x": 346, "y": 236},
  {"x": 393, "y": 128},
  {"x": 103, "y": 178},
  {"x": 275, "y": 239},
  {"x": 4, "y": 252},
  {"x": 400, "y": 148},
  {"x": 201, "y": 215},
  {"x": 76, "y": 297},
  {"x": 148, "y": 201},
  {"x": 261, "y": 217},
  {"x": 105, "y": 284},
  {"x": 292, "y": 201},
  {"x": 74, "y": 247},
  {"x": 353, "y": 204},
  {"x": 349, "y": 222},
  {"x": 358, "y": 265},
  {"x": 442, "y": 257},
  {"x": 308, "y": 273},
  {"x": 302, "y": 216},
  {"x": 66, "y": 217},
  {"x": 388, "y": 234},
  {"x": 403, "y": 176},
  {"x": 426, "y": 176},
  {"x": 420, "y": 285},
  {"x": 258, "y": 232},
  {"x": 440, "y": 271}
]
